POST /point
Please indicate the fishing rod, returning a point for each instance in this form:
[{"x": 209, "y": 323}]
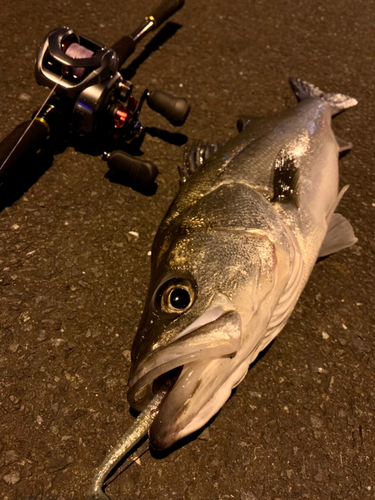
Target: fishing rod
[{"x": 90, "y": 99}]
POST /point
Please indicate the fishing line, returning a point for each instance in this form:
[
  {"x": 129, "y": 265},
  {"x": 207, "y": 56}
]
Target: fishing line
[
  {"x": 31, "y": 123},
  {"x": 134, "y": 457},
  {"x": 91, "y": 98}
]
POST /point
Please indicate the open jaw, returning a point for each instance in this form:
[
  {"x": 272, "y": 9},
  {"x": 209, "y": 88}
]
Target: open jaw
[{"x": 193, "y": 367}]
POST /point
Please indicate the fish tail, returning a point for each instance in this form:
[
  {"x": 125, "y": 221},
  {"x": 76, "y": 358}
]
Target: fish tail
[{"x": 304, "y": 90}]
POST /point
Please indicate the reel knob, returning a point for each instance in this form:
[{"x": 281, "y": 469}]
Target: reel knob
[
  {"x": 174, "y": 109},
  {"x": 136, "y": 173}
]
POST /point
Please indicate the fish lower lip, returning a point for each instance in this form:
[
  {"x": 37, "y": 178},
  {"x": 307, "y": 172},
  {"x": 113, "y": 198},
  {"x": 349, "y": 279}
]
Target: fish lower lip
[
  {"x": 187, "y": 403},
  {"x": 143, "y": 390},
  {"x": 214, "y": 340}
]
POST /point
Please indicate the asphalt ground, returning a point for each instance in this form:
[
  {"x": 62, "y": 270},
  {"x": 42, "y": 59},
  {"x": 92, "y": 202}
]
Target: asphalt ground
[{"x": 74, "y": 273}]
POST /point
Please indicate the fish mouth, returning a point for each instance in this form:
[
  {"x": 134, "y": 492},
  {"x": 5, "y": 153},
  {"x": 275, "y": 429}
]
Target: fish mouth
[{"x": 190, "y": 369}]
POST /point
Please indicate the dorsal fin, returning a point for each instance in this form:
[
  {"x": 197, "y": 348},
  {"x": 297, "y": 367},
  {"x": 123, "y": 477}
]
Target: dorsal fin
[
  {"x": 285, "y": 178},
  {"x": 194, "y": 157},
  {"x": 304, "y": 90},
  {"x": 245, "y": 120}
]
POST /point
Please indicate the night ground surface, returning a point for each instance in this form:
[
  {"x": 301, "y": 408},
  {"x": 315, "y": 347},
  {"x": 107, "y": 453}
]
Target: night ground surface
[{"x": 73, "y": 277}]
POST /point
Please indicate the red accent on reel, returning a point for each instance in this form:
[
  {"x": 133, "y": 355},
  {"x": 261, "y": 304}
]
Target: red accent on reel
[
  {"x": 132, "y": 104},
  {"x": 121, "y": 117}
]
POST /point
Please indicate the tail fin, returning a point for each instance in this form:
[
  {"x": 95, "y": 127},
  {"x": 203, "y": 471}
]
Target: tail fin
[{"x": 304, "y": 90}]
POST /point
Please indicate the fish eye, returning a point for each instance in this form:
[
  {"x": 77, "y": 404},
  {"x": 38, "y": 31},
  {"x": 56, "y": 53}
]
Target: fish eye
[{"x": 177, "y": 297}]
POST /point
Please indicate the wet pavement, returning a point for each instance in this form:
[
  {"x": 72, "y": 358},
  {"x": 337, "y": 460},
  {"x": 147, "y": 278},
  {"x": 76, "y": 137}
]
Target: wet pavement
[{"x": 74, "y": 266}]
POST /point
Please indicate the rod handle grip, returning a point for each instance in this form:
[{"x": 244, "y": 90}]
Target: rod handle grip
[
  {"x": 165, "y": 10},
  {"x": 29, "y": 144},
  {"x": 124, "y": 48}
]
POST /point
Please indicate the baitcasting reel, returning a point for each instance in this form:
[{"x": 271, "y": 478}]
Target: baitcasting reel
[{"x": 90, "y": 98}]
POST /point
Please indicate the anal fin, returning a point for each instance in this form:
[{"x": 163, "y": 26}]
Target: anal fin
[
  {"x": 343, "y": 145},
  {"x": 339, "y": 235}
]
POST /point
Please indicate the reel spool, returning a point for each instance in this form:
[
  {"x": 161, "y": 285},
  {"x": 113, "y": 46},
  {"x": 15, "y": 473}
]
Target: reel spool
[{"x": 73, "y": 62}]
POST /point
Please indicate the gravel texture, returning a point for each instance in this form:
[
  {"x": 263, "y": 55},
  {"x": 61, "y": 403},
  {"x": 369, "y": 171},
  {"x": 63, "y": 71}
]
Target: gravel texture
[{"x": 74, "y": 266}]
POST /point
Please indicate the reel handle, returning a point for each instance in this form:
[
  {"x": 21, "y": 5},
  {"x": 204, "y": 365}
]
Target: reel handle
[
  {"x": 174, "y": 109},
  {"x": 31, "y": 142},
  {"x": 137, "y": 173}
]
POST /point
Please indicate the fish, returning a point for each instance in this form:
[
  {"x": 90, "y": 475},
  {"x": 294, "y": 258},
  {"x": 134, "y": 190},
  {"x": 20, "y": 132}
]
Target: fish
[{"x": 233, "y": 255}]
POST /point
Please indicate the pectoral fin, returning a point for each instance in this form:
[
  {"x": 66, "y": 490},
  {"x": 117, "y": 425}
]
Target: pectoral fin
[
  {"x": 340, "y": 235},
  {"x": 285, "y": 178}
]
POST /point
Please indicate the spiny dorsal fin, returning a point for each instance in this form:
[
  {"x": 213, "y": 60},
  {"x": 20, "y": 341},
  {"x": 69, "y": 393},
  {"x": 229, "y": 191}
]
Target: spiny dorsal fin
[
  {"x": 304, "y": 90},
  {"x": 285, "y": 178},
  {"x": 245, "y": 120},
  {"x": 194, "y": 157}
]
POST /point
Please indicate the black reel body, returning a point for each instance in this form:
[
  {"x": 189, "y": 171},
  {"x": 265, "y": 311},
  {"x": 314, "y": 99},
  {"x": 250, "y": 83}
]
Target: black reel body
[
  {"x": 73, "y": 62},
  {"x": 91, "y": 98},
  {"x": 85, "y": 73}
]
